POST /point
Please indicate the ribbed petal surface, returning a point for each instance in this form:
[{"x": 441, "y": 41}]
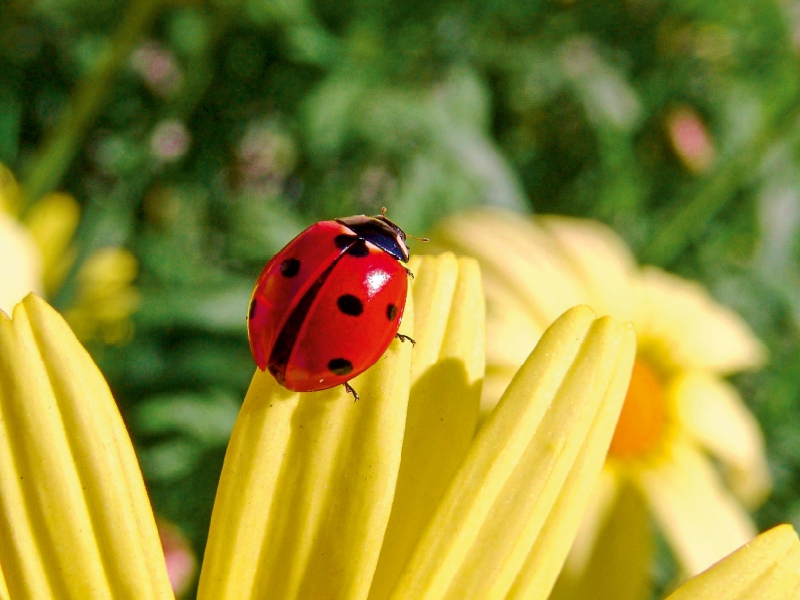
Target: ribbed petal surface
[
  {"x": 75, "y": 522},
  {"x": 545, "y": 560},
  {"x": 307, "y": 486},
  {"x": 768, "y": 568},
  {"x": 530, "y": 470},
  {"x": 447, "y": 371}
]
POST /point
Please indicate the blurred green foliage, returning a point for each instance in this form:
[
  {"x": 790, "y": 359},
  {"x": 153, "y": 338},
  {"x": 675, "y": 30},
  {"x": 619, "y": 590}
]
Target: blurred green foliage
[{"x": 204, "y": 135}]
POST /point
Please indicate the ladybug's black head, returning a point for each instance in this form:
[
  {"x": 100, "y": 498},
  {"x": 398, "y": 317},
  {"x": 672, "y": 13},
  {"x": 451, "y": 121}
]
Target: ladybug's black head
[{"x": 379, "y": 231}]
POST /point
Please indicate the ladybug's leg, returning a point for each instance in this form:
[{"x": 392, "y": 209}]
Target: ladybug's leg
[
  {"x": 404, "y": 338},
  {"x": 409, "y": 273},
  {"x": 350, "y": 390}
]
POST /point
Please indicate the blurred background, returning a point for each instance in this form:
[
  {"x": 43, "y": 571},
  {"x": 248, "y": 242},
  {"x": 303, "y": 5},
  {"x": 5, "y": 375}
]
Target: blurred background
[{"x": 189, "y": 141}]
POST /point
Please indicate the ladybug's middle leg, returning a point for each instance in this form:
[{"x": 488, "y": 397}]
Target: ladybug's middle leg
[
  {"x": 350, "y": 390},
  {"x": 404, "y": 338}
]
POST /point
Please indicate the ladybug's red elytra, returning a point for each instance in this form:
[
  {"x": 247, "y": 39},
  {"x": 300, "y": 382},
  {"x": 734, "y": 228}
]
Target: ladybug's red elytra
[{"x": 327, "y": 306}]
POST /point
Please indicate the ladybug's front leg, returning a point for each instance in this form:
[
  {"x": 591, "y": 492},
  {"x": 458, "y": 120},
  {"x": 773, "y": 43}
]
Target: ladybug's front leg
[
  {"x": 350, "y": 390},
  {"x": 404, "y": 338},
  {"x": 409, "y": 273}
]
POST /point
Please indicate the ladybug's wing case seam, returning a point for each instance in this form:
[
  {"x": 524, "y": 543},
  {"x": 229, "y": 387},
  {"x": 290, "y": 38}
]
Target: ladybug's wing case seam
[{"x": 282, "y": 348}]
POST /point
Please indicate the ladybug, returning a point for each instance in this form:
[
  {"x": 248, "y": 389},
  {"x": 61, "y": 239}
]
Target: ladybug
[{"x": 327, "y": 306}]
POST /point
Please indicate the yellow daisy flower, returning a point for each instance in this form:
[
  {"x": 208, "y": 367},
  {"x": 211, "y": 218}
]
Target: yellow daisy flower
[
  {"x": 41, "y": 254},
  {"x": 679, "y": 411},
  {"x": 312, "y": 482}
]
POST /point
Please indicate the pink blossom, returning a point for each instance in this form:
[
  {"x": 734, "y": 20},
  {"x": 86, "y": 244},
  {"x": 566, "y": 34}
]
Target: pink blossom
[
  {"x": 690, "y": 139},
  {"x": 170, "y": 140},
  {"x": 158, "y": 67}
]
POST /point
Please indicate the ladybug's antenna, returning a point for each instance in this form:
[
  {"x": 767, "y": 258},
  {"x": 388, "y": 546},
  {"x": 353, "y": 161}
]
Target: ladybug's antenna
[{"x": 405, "y": 235}]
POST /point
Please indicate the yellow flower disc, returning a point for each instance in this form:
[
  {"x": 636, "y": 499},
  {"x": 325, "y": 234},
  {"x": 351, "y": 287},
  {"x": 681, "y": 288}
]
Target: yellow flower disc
[{"x": 641, "y": 423}]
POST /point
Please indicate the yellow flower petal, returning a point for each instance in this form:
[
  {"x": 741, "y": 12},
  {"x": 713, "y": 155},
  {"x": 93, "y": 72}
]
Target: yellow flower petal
[
  {"x": 599, "y": 260},
  {"x": 690, "y": 329},
  {"x": 514, "y": 333},
  {"x": 106, "y": 296},
  {"x": 768, "y": 568},
  {"x": 553, "y": 543},
  {"x": 558, "y": 409},
  {"x": 447, "y": 370},
  {"x": 307, "y": 485},
  {"x": 3, "y": 589},
  {"x": 516, "y": 253},
  {"x": 597, "y": 512},
  {"x": 21, "y": 265},
  {"x": 700, "y": 519},
  {"x": 514, "y": 330},
  {"x": 495, "y": 383},
  {"x": 52, "y": 222},
  {"x": 74, "y": 517},
  {"x": 712, "y": 411},
  {"x": 621, "y": 556}
]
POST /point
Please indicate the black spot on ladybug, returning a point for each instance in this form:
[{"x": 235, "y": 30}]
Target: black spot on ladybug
[
  {"x": 358, "y": 249},
  {"x": 340, "y": 366},
  {"x": 343, "y": 240},
  {"x": 391, "y": 312},
  {"x": 251, "y": 312},
  {"x": 290, "y": 267},
  {"x": 350, "y": 305}
]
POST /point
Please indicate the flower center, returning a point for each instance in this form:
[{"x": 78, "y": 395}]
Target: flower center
[{"x": 643, "y": 415}]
